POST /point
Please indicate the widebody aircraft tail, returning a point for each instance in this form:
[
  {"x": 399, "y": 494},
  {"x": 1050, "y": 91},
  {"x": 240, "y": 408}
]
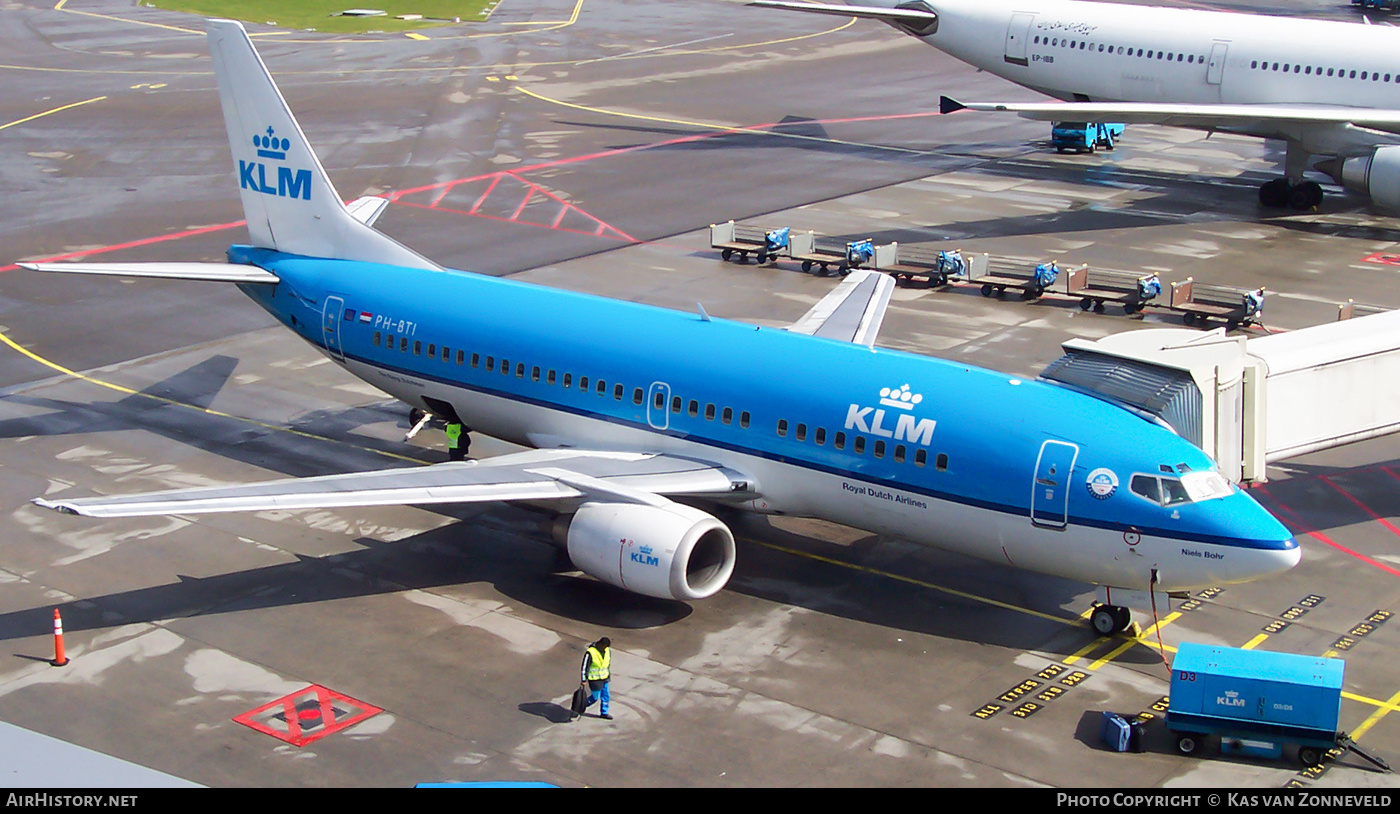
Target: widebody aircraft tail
[{"x": 288, "y": 199}]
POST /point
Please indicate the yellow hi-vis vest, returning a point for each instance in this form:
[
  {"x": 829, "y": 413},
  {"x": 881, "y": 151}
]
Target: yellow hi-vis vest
[
  {"x": 598, "y": 664},
  {"x": 454, "y": 435}
]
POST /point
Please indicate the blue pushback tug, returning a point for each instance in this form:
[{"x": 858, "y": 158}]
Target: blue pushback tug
[{"x": 1253, "y": 696}]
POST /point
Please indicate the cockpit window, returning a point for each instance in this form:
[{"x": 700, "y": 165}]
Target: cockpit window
[{"x": 1192, "y": 487}]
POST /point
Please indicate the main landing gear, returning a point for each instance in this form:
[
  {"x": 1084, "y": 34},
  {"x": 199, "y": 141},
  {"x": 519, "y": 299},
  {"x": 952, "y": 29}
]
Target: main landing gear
[
  {"x": 1281, "y": 193},
  {"x": 1110, "y": 619}
]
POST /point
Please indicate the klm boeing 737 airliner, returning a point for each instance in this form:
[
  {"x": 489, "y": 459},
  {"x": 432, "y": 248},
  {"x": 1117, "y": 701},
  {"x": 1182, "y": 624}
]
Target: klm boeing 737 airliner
[{"x": 631, "y": 409}]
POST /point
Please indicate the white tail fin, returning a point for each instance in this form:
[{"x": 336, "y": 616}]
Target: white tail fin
[{"x": 287, "y": 197}]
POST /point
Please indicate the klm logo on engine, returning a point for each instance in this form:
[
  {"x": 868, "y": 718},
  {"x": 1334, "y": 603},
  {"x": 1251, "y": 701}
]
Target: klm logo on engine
[
  {"x": 644, "y": 556},
  {"x": 907, "y": 427},
  {"x": 279, "y": 180}
]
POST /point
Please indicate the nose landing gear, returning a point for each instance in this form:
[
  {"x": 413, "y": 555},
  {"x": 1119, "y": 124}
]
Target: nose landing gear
[{"x": 1110, "y": 619}]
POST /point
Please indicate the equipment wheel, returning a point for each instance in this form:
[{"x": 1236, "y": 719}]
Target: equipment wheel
[
  {"x": 1309, "y": 756},
  {"x": 1131, "y": 308},
  {"x": 1098, "y": 307},
  {"x": 762, "y": 258},
  {"x": 1188, "y": 744},
  {"x": 806, "y": 265},
  {"x": 725, "y": 254},
  {"x": 1188, "y": 318},
  {"x": 1085, "y": 304},
  {"x": 987, "y": 290}
]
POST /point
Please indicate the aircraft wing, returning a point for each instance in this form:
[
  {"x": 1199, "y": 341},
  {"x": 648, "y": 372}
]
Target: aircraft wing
[
  {"x": 534, "y": 475},
  {"x": 208, "y": 272},
  {"x": 1247, "y": 118},
  {"x": 852, "y": 312},
  {"x": 914, "y": 14}
]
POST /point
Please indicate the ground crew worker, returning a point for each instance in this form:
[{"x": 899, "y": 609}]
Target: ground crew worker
[
  {"x": 457, "y": 443},
  {"x": 594, "y": 674}
]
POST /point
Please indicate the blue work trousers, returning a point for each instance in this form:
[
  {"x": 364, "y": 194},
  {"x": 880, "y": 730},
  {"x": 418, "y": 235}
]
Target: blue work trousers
[{"x": 603, "y": 694}]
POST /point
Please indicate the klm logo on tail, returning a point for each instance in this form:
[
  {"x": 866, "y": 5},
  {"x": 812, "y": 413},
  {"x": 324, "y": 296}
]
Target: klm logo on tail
[{"x": 290, "y": 183}]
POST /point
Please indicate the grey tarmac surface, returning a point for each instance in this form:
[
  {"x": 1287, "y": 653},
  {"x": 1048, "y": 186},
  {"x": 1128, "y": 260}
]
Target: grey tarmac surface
[{"x": 594, "y": 153}]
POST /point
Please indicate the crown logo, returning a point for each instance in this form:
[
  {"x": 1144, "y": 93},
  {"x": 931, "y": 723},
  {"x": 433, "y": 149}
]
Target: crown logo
[
  {"x": 269, "y": 146},
  {"x": 899, "y": 397}
]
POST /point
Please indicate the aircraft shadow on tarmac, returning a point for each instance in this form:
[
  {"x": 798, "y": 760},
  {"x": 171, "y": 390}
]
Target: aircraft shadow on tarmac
[{"x": 892, "y": 590}]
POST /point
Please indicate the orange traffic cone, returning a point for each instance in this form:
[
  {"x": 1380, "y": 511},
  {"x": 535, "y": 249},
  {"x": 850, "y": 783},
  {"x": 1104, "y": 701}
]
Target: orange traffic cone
[{"x": 59, "y": 659}]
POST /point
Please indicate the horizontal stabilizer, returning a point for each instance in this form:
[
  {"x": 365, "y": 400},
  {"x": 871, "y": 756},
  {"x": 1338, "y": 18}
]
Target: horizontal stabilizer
[
  {"x": 207, "y": 272},
  {"x": 537, "y": 475},
  {"x": 915, "y": 16},
  {"x": 852, "y": 312},
  {"x": 948, "y": 105},
  {"x": 367, "y": 210}
]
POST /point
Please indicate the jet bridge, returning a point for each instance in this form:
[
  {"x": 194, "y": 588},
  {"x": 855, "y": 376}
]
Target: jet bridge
[{"x": 1249, "y": 402}]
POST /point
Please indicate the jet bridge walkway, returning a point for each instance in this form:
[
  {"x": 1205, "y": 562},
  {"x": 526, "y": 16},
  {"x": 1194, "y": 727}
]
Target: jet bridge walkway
[{"x": 1250, "y": 402}]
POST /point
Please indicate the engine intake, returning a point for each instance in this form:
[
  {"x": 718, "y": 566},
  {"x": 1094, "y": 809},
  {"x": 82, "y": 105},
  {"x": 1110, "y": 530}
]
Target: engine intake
[{"x": 669, "y": 551}]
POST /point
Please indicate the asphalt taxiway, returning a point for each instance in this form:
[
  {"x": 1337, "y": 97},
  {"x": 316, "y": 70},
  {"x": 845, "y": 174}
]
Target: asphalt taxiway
[{"x": 587, "y": 145}]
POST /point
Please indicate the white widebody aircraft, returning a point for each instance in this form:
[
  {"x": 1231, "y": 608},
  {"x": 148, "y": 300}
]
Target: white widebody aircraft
[{"x": 1327, "y": 89}]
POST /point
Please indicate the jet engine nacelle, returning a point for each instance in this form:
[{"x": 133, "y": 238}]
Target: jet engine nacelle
[
  {"x": 1377, "y": 175},
  {"x": 667, "y": 551}
]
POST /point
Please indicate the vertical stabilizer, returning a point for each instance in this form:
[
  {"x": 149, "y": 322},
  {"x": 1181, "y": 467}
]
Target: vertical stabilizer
[{"x": 289, "y": 201}]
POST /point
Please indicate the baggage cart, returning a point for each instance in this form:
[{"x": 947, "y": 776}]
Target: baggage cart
[
  {"x": 1200, "y": 303},
  {"x": 912, "y": 265},
  {"x": 1094, "y": 287},
  {"x": 739, "y": 241},
  {"x": 1000, "y": 274},
  {"x": 803, "y": 248}
]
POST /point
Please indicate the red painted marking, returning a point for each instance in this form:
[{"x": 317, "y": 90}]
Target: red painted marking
[
  {"x": 479, "y": 201},
  {"x": 1379, "y": 257},
  {"x": 1304, "y": 527},
  {"x": 1327, "y": 479},
  {"x": 307, "y": 715},
  {"x": 618, "y": 233},
  {"x": 529, "y": 190}
]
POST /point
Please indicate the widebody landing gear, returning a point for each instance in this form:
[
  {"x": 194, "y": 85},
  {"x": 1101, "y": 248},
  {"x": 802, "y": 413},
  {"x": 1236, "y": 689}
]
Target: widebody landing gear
[
  {"x": 1280, "y": 193},
  {"x": 1110, "y": 619}
]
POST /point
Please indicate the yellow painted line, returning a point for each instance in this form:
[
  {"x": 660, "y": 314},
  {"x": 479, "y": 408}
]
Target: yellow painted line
[
  {"x": 55, "y": 110},
  {"x": 912, "y": 581},
  {"x": 1141, "y": 639},
  {"x": 1255, "y": 642},
  {"x": 130, "y": 392},
  {"x": 414, "y": 36},
  {"x": 714, "y": 125},
  {"x": 62, "y": 3}
]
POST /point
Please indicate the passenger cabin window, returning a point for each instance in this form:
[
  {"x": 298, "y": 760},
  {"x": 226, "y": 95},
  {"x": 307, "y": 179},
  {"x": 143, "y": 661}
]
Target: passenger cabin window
[
  {"x": 638, "y": 396},
  {"x": 782, "y": 427},
  {"x": 744, "y": 419},
  {"x": 727, "y": 416}
]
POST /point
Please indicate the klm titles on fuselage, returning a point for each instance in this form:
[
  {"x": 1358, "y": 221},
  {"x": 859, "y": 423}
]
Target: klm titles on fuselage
[
  {"x": 291, "y": 183},
  {"x": 906, "y": 428}
]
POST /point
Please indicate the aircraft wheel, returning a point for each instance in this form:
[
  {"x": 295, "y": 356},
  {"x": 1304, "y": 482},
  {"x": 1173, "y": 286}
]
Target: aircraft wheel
[
  {"x": 1274, "y": 194},
  {"x": 414, "y": 416},
  {"x": 1106, "y": 620},
  {"x": 1305, "y": 196}
]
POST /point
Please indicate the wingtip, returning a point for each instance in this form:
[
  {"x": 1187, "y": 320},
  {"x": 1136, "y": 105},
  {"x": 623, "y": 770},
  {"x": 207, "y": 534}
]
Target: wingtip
[
  {"x": 61, "y": 508},
  {"x": 947, "y": 104}
]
